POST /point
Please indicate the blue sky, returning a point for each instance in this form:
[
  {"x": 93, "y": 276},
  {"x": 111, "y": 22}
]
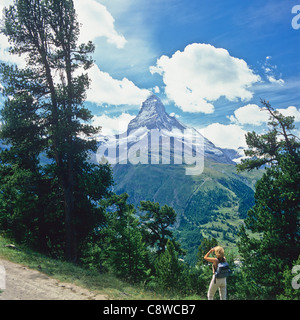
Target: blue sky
[{"x": 209, "y": 61}]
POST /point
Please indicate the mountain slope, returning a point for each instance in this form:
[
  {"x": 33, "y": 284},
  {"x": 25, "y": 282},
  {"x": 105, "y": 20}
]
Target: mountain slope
[{"x": 212, "y": 204}]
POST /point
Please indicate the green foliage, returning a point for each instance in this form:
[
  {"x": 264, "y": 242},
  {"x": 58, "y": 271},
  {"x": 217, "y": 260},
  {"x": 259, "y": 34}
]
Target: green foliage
[
  {"x": 291, "y": 282},
  {"x": 275, "y": 215},
  {"x": 243, "y": 192},
  {"x": 44, "y": 117},
  {"x": 174, "y": 276},
  {"x": 119, "y": 245},
  {"x": 156, "y": 224},
  {"x": 190, "y": 196},
  {"x": 266, "y": 148},
  {"x": 169, "y": 269},
  {"x": 64, "y": 205},
  {"x": 202, "y": 205},
  {"x": 126, "y": 251}
]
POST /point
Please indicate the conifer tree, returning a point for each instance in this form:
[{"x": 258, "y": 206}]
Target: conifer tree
[
  {"x": 274, "y": 219},
  {"x": 48, "y": 96},
  {"x": 157, "y": 223},
  {"x": 169, "y": 269},
  {"x": 126, "y": 250}
]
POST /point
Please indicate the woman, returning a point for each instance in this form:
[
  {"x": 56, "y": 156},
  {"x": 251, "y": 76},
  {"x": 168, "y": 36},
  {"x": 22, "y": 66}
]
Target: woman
[{"x": 216, "y": 283}]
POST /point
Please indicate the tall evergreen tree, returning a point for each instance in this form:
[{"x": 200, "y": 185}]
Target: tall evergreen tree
[
  {"x": 126, "y": 249},
  {"x": 274, "y": 218},
  {"x": 53, "y": 88},
  {"x": 169, "y": 269},
  {"x": 157, "y": 223}
]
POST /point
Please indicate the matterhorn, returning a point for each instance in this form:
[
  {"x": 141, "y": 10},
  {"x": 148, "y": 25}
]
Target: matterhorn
[{"x": 154, "y": 124}]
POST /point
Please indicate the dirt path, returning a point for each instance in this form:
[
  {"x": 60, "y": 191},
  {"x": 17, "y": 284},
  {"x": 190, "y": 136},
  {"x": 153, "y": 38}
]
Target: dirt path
[{"x": 26, "y": 284}]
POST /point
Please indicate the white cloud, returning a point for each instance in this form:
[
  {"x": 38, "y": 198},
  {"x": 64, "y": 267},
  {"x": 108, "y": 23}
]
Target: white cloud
[
  {"x": 112, "y": 125},
  {"x": 291, "y": 112},
  {"x": 233, "y": 135},
  {"x": 5, "y": 3},
  {"x": 229, "y": 136},
  {"x": 278, "y": 81},
  {"x": 105, "y": 89},
  {"x": 201, "y": 74},
  {"x": 252, "y": 114},
  {"x": 270, "y": 71},
  {"x": 5, "y": 56},
  {"x": 97, "y": 22}
]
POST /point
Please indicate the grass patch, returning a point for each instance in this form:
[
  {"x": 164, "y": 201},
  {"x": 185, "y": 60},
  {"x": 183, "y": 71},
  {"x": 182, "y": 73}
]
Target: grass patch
[{"x": 106, "y": 284}]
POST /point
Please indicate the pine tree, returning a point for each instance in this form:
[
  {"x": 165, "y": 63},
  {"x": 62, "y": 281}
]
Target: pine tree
[
  {"x": 126, "y": 250},
  {"x": 274, "y": 219},
  {"x": 157, "y": 223},
  {"x": 169, "y": 269},
  {"x": 52, "y": 88}
]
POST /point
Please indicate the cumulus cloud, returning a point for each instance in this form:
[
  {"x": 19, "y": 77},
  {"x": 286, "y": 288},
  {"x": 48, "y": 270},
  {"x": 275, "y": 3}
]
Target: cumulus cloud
[
  {"x": 112, "y": 125},
  {"x": 291, "y": 112},
  {"x": 201, "y": 74},
  {"x": 229, "y": 136},
  {"x": 5, "y": 3},
  {"x": 5, "y": 56},
  {"x": 97, "y": 22},
  {"x": 232, "y": 136},
  {"x": 173, "y": 114},
  {"x": 252, "y": 114},
  {"x": 105, "y": 89}
]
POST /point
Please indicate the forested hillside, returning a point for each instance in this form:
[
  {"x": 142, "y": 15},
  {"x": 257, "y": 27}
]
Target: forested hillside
[{"x": 212, "y": 204}]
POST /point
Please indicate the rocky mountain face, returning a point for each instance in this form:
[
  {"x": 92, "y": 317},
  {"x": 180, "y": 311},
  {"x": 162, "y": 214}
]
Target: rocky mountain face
[{"x": 154, "y": 116}]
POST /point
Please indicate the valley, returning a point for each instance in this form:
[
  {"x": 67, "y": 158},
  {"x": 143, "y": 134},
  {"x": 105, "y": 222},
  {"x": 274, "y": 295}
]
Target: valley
[{"x": 211, "y": 205}]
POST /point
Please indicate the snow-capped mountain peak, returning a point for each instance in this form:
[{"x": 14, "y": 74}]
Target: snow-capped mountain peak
[
  {"x": 154, "y": 116},
  {"x": 153, "y": 120}
]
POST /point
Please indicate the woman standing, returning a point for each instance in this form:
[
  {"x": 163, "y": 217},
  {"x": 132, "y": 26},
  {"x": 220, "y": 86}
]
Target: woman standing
[{"x": 215, "y": 282}]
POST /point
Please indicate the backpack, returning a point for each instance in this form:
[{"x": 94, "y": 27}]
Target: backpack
[{"x": 222, "y": 270}]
